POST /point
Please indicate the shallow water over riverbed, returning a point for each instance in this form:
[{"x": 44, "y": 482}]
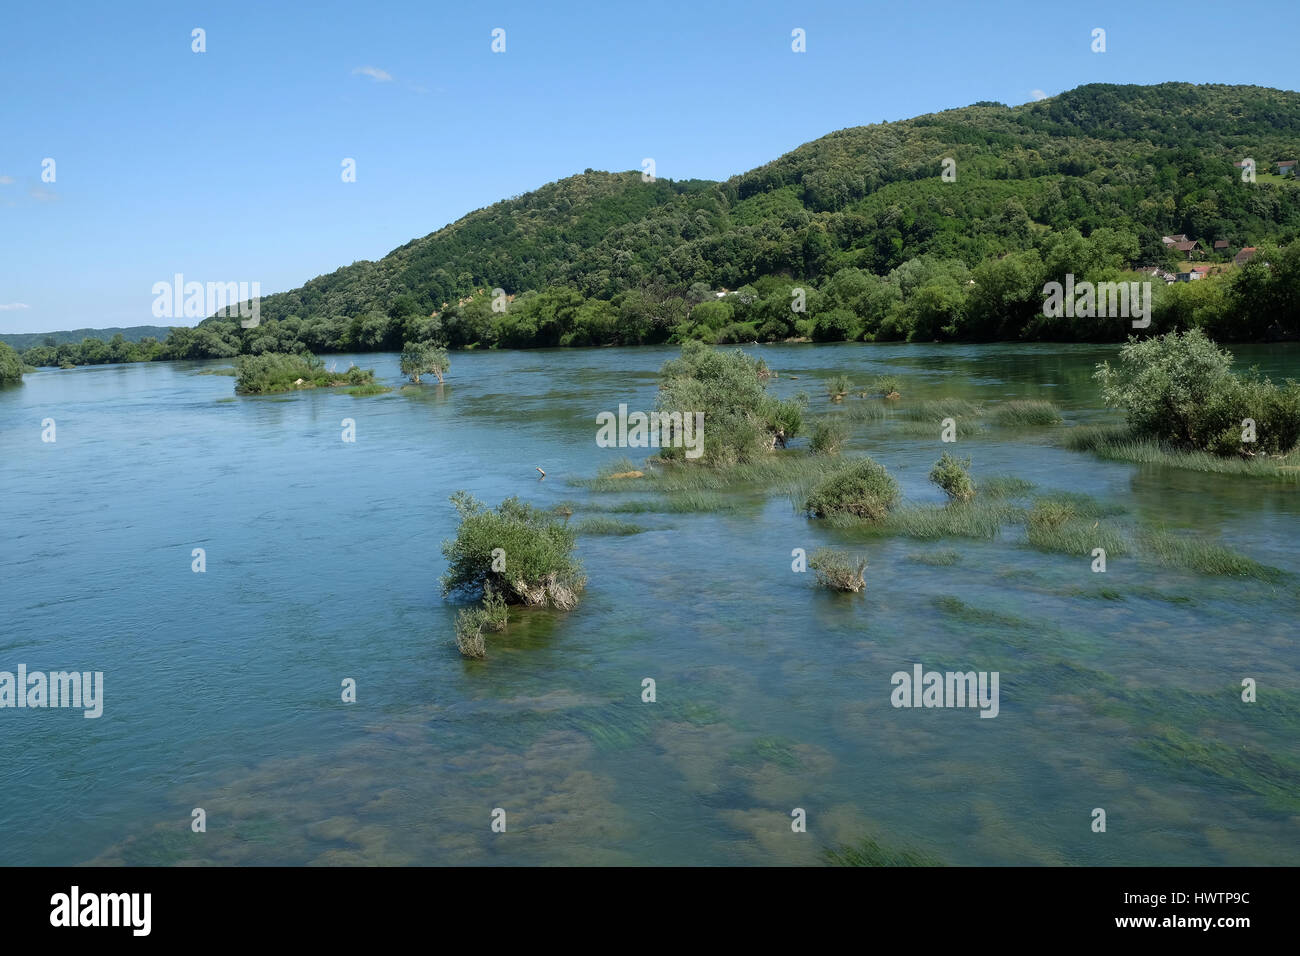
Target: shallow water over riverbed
[{"x": 222, "y": 689}]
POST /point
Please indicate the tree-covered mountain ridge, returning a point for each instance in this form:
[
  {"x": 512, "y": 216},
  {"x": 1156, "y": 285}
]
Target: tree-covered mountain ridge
[{"x": 1156, "y": 159}]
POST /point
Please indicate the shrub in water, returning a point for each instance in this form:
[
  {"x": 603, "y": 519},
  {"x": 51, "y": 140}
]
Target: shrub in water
[
  {"x": 741, "y": 420},
  {"x": 862, "y": 488},
  {"x": 953, "y": 477},
  {"x": 1179, "y": 388},
  {"x": 838, "y": 571},
  {"x": 827, "y": 437},
  {"x": 518, "y": 551}
]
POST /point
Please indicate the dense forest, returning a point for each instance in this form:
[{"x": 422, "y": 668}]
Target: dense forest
[{"x": 858, "y": 235}]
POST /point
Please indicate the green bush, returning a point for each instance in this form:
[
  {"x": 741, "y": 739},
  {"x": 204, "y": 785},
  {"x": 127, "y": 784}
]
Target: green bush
[
  {"x": 11, "y": 365},
  {"x": 838, "y": 571},
  {"x": 741, "y": 420},
  {"x": 284, "y": 372},
  {"x": 1179, "y": 389},
  {"x": 953, "y": 476},
  {"x": 1020, "y": 414},
  {"x": 827, "y": 437},
  {"x": 533, "y": 563},
  {"x": 863, "y": 489}
]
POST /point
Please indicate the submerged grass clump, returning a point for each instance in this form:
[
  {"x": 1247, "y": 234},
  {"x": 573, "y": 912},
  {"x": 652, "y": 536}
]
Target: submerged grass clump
[
  {"x": 1024, "y": 414},
  {"x": 972, "y": 519},
  {"x": 938, "y": 559},
  {"x": 1206, "y": 557},
  {"x": 1005, "y": 486},
  {"x": 936, "y": 410},
  {"x": 1070, "y": 524},
  {"x": 472, "y": 625},
  {"x": 685, "y": 502},
  {"x": 867, "y": 852},
  {"x": 870, "y": 410},
  {"x": 610, "y": 526},
  {"x": 373, "y": 388}
]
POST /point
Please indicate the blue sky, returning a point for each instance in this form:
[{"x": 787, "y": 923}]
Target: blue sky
[{"x": 225, "y": 165}]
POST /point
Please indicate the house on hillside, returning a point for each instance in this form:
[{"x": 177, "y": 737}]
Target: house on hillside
[
  {"x": 1173, "y": 240},
  {"x": 1286, "y": 167},
  {"x": 1221, "y": 247},
  {"x": 1246, "y": 254},
  {"x": 1191, "y": 248},
  {"x": 1202, "y": 270}
]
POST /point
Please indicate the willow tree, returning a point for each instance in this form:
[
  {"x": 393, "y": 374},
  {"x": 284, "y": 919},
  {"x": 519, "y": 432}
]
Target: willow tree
[{"x": 422, "y": 358}]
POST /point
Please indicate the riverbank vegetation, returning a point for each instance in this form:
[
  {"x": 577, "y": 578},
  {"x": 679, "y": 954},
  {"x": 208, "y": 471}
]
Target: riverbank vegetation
[{"x": 11, "y": 365}]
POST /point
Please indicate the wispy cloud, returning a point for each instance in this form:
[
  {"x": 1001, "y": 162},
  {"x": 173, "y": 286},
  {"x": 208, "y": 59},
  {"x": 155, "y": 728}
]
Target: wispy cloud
[
  {"x": 1038, "y": 94},
  {"x": 6, "y": 180},
  {"x": 13, "y": 306},
  {"x": 375, "y": 73},
  {"x": 41, "y": 194}
]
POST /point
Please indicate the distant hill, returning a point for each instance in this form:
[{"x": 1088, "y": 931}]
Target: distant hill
[
  {"x": 25, "y": 340},
  {"x": 1147, "y": 160}
]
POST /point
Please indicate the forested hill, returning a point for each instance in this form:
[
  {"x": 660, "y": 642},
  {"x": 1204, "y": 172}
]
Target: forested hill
[
  {"x": 1150, "y": 160},
  {"x": 25, "y": 340},
  {"x": 942, "y": 227}
]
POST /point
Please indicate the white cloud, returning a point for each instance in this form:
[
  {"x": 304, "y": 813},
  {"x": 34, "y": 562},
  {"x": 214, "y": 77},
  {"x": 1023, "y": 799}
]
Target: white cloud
[
  {"x": 13, "y": 306},
  {"x": 1038, "y": 94},
  {"x": 375, "y": 73},
  {"x": 6, "y": 180}
]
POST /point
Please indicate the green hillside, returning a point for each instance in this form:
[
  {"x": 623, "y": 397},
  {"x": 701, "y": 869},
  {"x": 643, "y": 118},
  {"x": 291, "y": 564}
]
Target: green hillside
[
  {"x": 861, "y": 229},
  {"x": 25, "y": 340}
]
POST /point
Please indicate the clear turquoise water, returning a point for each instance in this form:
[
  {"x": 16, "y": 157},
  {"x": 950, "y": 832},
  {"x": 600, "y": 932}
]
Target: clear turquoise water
[{"x": 223, "y": 688}]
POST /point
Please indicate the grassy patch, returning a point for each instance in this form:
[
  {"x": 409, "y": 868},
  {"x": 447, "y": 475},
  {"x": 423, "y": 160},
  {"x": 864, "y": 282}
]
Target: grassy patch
[
  {"x": 1205, "y": 557},
  {"x": 1025, "y": 414},
  {"x": 610, "y": 526},
  {"x": 867, "y": 852},
  {"x": 685, "y": 502},
  {"x": 1005, "y": 486},
  {"x": 231, "y": 371},
  {"x": 373, "y": 388},
  {"x": 973, "y": 519},
  {"x": 936, "y": 410},
  {"x": 1117, "y": 443},
  {"x": 938, "y": 559},
  {"x": 1070, "y": 524}
]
